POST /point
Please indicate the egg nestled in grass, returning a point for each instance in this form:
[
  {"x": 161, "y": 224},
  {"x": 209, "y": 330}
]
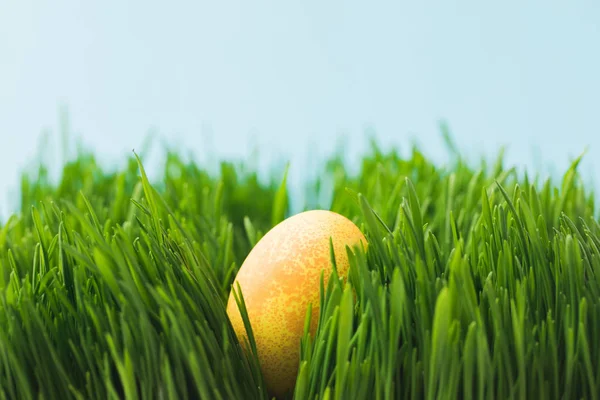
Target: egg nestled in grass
[{"x": 278, "y": 280}]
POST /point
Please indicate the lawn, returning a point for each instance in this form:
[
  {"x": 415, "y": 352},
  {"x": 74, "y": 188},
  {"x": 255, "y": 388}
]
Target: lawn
[{"x": 478, "y": 282}]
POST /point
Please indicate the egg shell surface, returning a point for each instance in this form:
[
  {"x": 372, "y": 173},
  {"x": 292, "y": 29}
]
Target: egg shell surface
[{"x": 279, "y": 278}]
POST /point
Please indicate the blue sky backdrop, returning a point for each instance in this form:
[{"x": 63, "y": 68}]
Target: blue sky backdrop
[{"x": 284, "y": 76}]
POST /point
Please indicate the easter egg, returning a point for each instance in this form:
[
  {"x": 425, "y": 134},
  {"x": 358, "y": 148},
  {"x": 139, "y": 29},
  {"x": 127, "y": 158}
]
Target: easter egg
[{"x": 279, "y": 278}]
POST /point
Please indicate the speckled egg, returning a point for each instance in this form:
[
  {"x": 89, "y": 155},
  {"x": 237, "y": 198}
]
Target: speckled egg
[{"x": 279, "y": 278}]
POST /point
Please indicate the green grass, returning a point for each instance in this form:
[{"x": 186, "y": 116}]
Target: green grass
[{"x": 478, "y": 283}]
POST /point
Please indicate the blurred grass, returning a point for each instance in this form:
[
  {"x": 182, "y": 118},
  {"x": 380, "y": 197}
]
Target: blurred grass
[{"x": 478, "y": 283}]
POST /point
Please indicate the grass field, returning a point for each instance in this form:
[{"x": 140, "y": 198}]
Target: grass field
[{"x": 478, "y": 283}]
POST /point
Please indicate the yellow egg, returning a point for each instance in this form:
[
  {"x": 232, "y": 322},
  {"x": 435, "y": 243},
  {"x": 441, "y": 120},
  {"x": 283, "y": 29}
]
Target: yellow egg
[{"x": 279, "y": 278}]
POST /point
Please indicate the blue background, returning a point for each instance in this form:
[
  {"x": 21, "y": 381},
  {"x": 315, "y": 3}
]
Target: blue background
[{"x": 291, "y": 77}]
